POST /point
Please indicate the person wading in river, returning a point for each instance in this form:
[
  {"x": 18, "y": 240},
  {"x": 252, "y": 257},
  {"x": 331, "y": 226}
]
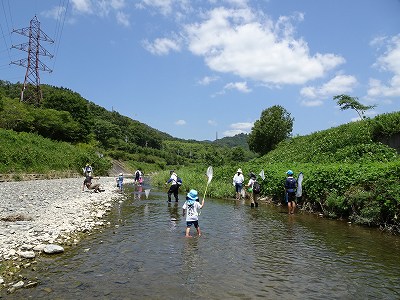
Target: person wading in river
[
  {"x": 191, "y": 208},
  {"x": 252, "y": 194},
  {"x": 174, "y": 188},
  {"x": 290, "y": 191},
  {"x": 238, "y": 180}
]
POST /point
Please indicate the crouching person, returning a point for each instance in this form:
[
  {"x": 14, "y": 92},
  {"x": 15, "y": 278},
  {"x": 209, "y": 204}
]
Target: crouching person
[{"x": 90, "y": 185}]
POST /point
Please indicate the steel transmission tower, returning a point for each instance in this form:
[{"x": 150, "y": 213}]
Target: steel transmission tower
[{"x": 31, "y": 91}]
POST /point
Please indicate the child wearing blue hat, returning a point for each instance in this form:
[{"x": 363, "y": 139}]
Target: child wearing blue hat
[{"x": 191, "y": 208}]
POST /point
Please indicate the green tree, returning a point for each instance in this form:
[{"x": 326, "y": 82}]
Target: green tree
[
  {"x": 107, "y": 133},
  {"x": 62, "y": 99},
  {"x": 347, "y": 102},
  {"x": 274, "y": 126}
]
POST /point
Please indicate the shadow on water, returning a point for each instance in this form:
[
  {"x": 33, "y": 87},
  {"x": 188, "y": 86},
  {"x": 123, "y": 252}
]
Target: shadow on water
[{"x": 243, "y": 253}]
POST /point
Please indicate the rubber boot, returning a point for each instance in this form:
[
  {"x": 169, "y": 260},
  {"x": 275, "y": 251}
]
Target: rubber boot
[
  {"x": 252, "y": 205},
  {"x": 256, "y": 204}
]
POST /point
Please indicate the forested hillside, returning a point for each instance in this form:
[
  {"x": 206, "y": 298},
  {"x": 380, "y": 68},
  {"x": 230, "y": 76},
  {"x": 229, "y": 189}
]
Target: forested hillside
[
  {"x": 65, "y": 116},
  {"x": 239, "y": 140}
]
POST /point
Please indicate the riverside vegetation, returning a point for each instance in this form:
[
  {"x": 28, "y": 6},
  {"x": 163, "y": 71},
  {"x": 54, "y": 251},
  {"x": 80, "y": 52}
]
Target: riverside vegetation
[{"x": 348, "y": 172}]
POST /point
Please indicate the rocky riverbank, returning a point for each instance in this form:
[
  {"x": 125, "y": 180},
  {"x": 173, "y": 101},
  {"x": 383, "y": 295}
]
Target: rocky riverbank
[{"x": 43, "y": 215}]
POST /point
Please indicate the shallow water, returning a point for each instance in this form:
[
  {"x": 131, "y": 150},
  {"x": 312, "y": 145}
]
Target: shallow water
[{"x": 244, "y": 253}]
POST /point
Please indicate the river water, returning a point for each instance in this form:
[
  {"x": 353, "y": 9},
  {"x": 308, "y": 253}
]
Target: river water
[{"x": 244, "y": 253}]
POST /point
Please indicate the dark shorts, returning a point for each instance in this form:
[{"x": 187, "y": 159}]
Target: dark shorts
[
  {"x": 290, "y": 196},
  {"x": 190, "y": 223},
  {"x": 238, "y": 187}
]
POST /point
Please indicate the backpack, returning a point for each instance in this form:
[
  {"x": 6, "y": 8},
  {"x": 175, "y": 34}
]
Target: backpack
[
  {"x": 179, "y": 181},
  {"x": 256, "y": 187},
  {"x": 290, "y": 184}
]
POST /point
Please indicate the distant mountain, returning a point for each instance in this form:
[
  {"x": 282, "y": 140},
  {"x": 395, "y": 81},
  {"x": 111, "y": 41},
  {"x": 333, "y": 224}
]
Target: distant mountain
[{"x": 239, "y": 140}]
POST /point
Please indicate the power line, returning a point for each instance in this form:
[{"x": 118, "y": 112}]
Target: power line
[
  {"x": 63, "y": 7},
  {"x": 8, "y": 28}
]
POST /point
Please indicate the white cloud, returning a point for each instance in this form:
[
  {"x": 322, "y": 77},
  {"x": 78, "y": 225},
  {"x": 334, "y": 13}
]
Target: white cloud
[
  {"x": 180, "y": 122},
  {"x": 240, "y": 86},
  {"x": 233, "y": 132},
  {"x": 99, "y": 8},
  {"x": 55, "y": 13},
  {"x": 311, "y": 103},
  {"x": 340, "y": 84},
  {"x": 237, "y": 128},
  {"x": 102, "y": 8},
  {"x": 165, "y": 7},
  {"x": 212, "y": 122},
  {"x": 117, "y": 4},
  {"x": 162, "y": 46},
  {"x": 389, "y": 62},
  {"x": 240, "y": 42},
  {"x": 123, "y": 19},
  {"x": 242, "y": 126},
  {"x": 238, "y": 3},
  {"x": 82, "y": 6},
  {"x": 206, "y": 80}
]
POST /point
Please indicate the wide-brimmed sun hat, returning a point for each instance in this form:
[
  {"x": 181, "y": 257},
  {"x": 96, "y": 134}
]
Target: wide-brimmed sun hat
[
  {"x": 192, "y": 195},
  {"x": 239, "y": 170},
  {"x": 120, "y": 174}
]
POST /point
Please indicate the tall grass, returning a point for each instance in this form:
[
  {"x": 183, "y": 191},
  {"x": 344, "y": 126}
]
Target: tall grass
[{"x": 30, "y": 153}]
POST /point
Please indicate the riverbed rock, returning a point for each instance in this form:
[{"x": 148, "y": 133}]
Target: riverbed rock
[
  {"x": 18, "y": 285},
  {"x": 38, "y": 213},
  {"x": 53, "y": 249},
  {"x": 27, "y": 254},
  {"x": 39, "y": 248}
]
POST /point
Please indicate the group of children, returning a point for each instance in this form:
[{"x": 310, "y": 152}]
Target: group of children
[
  {"x": 238, "y": 183},
  {"x": 191, "y": 207},
  {"x": 253, "y": 188},
  {"x": 138, "y": 179}
]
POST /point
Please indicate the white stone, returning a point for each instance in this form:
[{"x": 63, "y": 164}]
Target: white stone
[
  {"x": 18, "y": 285},
  {"x": 27, "y": 254},
  {"x": 53, "y": 249}
]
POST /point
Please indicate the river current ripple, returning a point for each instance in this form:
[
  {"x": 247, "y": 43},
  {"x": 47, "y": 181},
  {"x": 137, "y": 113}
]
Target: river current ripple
[{"x": 244, "y": 253}]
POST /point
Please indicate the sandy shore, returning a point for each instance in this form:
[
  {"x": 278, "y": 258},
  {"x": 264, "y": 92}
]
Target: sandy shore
[{"x": 41, "y": 212}]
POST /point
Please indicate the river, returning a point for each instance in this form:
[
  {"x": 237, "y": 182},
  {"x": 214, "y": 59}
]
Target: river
[{"x": 244, "y": 253}]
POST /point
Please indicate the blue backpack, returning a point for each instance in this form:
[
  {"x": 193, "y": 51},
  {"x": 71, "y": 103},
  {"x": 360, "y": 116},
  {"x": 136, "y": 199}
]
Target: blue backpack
[{"x": 291, "y": 184}]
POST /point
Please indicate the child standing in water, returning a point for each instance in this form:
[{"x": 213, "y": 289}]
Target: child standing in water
[
  {"x": 120, "y": 181},
  {"x": 290, "y": 189},
  {"x": 191, "y": 208}
]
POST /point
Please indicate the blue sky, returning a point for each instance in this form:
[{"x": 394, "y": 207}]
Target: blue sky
[{"x": 206, "y": 69}]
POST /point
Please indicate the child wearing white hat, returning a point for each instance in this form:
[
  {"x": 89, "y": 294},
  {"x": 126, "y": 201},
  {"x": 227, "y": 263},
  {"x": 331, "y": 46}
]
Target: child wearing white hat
[{"x": 238, "y": 180}]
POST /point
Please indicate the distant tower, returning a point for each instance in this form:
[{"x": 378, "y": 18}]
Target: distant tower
[
  {"x": 31, "y": 91},
  {"x": 216, "y": 135}
]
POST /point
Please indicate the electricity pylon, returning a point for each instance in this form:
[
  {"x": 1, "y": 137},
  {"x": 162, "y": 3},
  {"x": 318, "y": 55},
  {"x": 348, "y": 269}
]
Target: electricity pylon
[{"x": 31, "y": 91}]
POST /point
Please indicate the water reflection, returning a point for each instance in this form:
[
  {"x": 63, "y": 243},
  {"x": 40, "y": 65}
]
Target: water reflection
[
  {"x": 244, "y": 253},
  {"x": 138, "y": 192}
]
